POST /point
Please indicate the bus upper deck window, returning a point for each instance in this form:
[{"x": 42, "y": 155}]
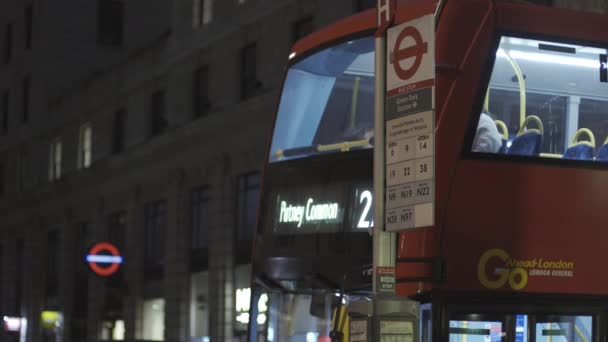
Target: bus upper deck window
[
  {"x": 327, "y": 102},
  {"x": 545, "y": 99}
]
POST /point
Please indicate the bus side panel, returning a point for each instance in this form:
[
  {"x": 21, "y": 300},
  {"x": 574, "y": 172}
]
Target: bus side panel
[{"x": 462, "y": 53}]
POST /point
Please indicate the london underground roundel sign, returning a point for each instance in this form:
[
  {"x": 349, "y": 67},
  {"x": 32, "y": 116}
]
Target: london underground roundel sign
[{"x": 104, "y": 259}]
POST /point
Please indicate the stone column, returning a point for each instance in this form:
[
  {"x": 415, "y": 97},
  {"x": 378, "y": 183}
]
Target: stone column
[
  {"x": 96, "y": 293},
  {"x": 67, "y": 262},
  {"x": 133, "y": 267},
  {"x": 34, "y": 278},
  {"x": 176, "y": 280},
  {"x": 221, "y": 252}
]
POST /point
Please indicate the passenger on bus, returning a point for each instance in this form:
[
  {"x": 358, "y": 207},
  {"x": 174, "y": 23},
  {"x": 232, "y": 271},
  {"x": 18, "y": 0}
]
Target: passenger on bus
[{"x": 487, "y": 138}]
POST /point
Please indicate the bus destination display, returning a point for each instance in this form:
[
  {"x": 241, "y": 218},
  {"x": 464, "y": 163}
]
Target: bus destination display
[{"x": 330, "y": 210}]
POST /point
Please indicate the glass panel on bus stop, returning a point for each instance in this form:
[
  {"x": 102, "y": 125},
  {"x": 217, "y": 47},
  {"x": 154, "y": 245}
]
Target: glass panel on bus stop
[
  {"x": 327, "y": 104},
  {"x": 545, "y": 99}
]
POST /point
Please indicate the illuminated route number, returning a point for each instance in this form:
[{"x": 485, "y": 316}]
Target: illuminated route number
[{"x": 365, "y": 217}]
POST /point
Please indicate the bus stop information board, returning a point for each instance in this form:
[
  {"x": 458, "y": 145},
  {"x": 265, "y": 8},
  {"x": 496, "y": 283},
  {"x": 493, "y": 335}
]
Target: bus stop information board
[{"x": 410, "y": 124}]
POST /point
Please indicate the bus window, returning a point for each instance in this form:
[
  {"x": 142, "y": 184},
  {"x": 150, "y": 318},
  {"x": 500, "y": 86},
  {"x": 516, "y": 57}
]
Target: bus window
[
  {"x": 545, "y": 99},
  {"x": 476, "y": 329},
  {"x": 557, "y": 328},
  {"x": 327, "y": 104},
  {"x": 301, "y": 317}
]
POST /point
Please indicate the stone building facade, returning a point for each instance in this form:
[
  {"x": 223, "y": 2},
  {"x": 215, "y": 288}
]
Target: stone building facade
[{"x": 143, "y": 123}]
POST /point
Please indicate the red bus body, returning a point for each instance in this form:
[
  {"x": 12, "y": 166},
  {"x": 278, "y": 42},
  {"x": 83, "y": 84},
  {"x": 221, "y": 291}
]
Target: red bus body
[{"x": 530, "y": 210}]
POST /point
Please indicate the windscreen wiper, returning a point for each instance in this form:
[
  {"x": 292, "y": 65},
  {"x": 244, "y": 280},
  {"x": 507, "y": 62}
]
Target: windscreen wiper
[{"x": 343, "y": 146}]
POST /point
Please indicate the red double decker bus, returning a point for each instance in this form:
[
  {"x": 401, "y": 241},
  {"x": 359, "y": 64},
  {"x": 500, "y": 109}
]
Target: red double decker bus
[{"x": 517, "y": 247}]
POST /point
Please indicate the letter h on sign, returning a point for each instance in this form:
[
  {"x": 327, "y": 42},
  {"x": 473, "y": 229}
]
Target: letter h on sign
[{"x": 386, "y": 15}]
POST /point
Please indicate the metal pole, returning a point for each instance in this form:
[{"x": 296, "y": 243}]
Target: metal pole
[{"x": 384, "y": 244}]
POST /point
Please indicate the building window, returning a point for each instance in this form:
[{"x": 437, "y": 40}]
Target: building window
[
  {"x": 85, "y": 140},
  {"x": 248, "y": 190},
  {"x": 158, "y": 121},
  {"x": 25, "y": 99},
  {"x": 55, "y": 160},
  {"x": 199, "y": 217},
  {"x": 154, "y": 319},
  {"x": 110, "y": 22},
  {"x": 362, "y": 5},
  {"x": 200, "y": 91},
  {"x": 2, "y": 181},
  {"x": 302, "y": 28},
  {"x": 117, "y": 229},
  {"x": 8, "y": 43},
  {"x": 29, "y": 23},
  {"x": 118, "y": 142},
  {"x": 20, "y": 266},
  {"x": 81, "y": 281},
  {"x": 23, "y": 169},
  {"x": 249, "y": 77},
  {"x": 53, "y": 251},
  {"x": 5, "y": 111},
  {"x": 154, "y": 230},
  {"x": 202, "y": 12}
]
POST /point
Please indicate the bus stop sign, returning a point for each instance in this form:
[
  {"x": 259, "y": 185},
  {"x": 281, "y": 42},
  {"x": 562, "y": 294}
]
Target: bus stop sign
[
  {"x": 415, "y": 51},
  {"x": 410, "y": 125}
]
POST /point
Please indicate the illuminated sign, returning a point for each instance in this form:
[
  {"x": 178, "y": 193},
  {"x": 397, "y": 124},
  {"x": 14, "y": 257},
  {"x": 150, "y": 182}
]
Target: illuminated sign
[
  {"x": 104, "y": 259},
  {"x": 326, "y": 213},
  {"x": 51, "y": 319},
  {"x": 12, "y": 324},
  {"x": 310, "y": 213},
  {"x": 243, "y": 298}
]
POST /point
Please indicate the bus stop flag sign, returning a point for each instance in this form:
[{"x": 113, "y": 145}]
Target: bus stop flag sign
[{"x": 410, "y": 124}]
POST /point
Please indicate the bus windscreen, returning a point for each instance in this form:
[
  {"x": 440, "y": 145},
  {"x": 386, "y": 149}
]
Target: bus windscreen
[{"x": 327, "y": 103}]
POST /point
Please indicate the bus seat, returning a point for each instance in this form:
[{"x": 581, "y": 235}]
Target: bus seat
[
  {"x": 602, "y": 153},
  {"x": 504, "y": 136},
  {"x": 528, "y": 140},
  {"x": 581, "y": 150}
]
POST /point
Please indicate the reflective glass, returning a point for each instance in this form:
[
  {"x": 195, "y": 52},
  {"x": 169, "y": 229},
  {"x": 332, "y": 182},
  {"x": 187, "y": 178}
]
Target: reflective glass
[
  {"x": 545, "y": 99},
  {"x": 327, "y": 103}
]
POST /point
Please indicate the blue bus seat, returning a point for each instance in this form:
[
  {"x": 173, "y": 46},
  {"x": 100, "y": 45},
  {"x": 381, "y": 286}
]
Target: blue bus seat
[
  {"x": 602, "y": 153},
  {"x": 581, "y": 150},
  {"x": 528, "y": 140}
]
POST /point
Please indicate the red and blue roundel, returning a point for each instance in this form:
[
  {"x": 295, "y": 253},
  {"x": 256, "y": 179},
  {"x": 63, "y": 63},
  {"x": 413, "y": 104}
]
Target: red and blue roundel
[{"x": 104, "y": 259}]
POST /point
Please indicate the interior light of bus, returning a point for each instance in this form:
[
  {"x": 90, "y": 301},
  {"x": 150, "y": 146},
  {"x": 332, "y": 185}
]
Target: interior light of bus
[
  {"x": 311, "y": 336},
  {"x": 534, "y": 44},
  {"x": 292, "y": 56},
  {"x": 261, "y": 319},
  {"x": 549, "y": 58}
]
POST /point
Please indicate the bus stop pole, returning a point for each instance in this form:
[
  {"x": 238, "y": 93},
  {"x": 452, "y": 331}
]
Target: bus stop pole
[{"x": 384, "y": 243}]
